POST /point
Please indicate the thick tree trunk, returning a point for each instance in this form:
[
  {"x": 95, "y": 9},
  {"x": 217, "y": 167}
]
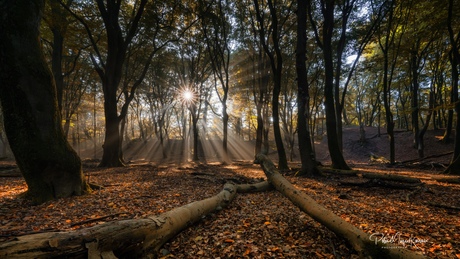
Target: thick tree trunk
[
  {"x": 307, "y": 156},
  {"x": 454, "y": 167},
  {"x": 133, "y": 238},
  {"x": 337, "y": 158},
  {"x": 28, "y": 96},
  {"x": 112, "y": 142},
  {"x": 276, "y": 62},
  {"x": 363, "y": 243}
]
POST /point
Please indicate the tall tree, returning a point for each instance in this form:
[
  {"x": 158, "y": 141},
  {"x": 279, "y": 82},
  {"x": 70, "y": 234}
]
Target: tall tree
[
  {"x": 124, "y": 25},
  {"x": 217, "y": 32},
  {"x": 109, "y": 69},
  {"x": 389, "y": 39},
  {"x": 58, "y": 23},
  {"x": 454, "y": 39},
  {"x": 272, "y": 35},
  {"x": 255, "y": 68},
  {"x": 28, "y": 96},
  {"x": 324, "y": 41},
  {"x": 303, "y": 97}
]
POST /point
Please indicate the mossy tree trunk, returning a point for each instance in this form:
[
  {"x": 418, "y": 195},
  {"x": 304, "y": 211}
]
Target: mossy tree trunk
[{"x": 49, "y": 165}]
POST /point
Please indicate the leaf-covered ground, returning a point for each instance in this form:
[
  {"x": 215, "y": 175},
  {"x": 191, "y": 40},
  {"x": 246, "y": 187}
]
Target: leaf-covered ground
[{"x": 256, "y": 225}]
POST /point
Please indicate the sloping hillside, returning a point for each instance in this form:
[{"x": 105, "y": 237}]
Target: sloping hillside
[{"x": 356, "y": 152}]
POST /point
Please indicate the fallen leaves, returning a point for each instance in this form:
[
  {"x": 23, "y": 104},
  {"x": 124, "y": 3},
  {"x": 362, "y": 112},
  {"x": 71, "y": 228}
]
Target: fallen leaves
[{"x": 256, "y": 225}]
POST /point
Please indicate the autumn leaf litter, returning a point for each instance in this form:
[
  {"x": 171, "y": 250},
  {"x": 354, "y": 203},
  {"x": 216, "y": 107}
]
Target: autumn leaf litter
[{"x": 254, "y": 225}]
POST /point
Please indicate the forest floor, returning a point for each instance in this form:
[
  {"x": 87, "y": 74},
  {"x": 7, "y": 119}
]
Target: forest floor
[{"x": 259, "y": 225}]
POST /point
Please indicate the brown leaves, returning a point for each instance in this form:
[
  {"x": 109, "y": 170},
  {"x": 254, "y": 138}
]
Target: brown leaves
[{"x": 256, "y": 225}]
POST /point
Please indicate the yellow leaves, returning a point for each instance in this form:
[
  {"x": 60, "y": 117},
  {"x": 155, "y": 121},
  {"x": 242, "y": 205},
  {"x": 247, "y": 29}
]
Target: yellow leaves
[
  {"x": 363, "y": 225},
  {"x": 266, "y": 223}
]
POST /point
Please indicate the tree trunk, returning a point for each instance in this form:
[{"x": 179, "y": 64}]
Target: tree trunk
[
  {"x": 338, "y": 161},
  {"x": 454, "y": 167},
  {"x": 421, "y": 134},
  {"x": 112, "y": 142},
  {"x": 366, "y": 245},
  {"x": 259, "y": 129},
  {"x": 303, "y": 98},
  {"x": 49, "y": 165},
  {"x": 195, "y": 134},
  {"x": 133, "y": 238},
  {"x": 276, "y": 62},
  {"x": 56, "y": 61},
  {"x": 414, "y": 100},
  {"x": 225, "y": 159}
]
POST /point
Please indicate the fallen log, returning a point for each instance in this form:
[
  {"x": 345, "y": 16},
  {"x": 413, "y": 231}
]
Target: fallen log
[
  {"x": 364, "y": 244},
  {"x": 381, "y": 183},
  {"x": 11, "y": 173},
  {"x": 133, "y": 238},
  {"x": 391, "y": 177},
  {"x": 447, "y": 179},
  {"x": 254, "y": 187},
  {"x": 377, "y": 180}
]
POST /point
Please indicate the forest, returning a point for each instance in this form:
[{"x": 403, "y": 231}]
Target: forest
[{"x": 229, "y": 129}]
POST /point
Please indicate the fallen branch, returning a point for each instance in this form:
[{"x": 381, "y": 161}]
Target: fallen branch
[
  {"x": 427, "y": 157},
  {"x": 444, "y": 206},
  {"x": 126, "y": 238},
  {"x": 203, "y": 173},
  {"x": 391, "y": 177},
  {"x": 381, "y": 183},
  {"x": 254, "y": 187},
  {"x": 339, "y": 171},
  {"x": 455, "y": 180},
  {"x": 363, "y": 243},
  {"x": 11, "y": 173},
  {"x": 376, "y": 180}
]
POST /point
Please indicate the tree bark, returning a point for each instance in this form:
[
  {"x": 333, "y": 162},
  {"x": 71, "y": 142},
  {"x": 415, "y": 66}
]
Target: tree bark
[
  {"x": 276, "y": 62},
  {"x": 49, "y": 165},
  {"x": 454, "y": 167},
  {"x": 363, "y": 243},
  {"x": 333, "y": 143},
  {"x": 307, "y": 156}
]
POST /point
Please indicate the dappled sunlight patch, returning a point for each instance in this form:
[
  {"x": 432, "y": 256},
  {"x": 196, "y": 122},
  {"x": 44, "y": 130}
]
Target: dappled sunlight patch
[{"x": 11, "y": 188}]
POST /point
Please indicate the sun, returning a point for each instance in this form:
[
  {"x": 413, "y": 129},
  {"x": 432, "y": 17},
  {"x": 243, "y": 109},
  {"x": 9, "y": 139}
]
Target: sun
[{"x": 187, "y": 95}]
